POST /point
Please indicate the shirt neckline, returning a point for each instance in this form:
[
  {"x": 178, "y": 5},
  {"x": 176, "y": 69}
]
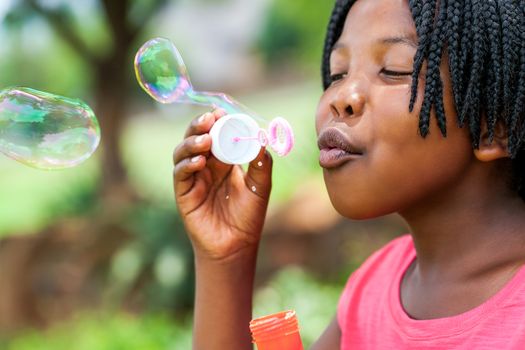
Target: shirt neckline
[{"x": 446, "y": 326}]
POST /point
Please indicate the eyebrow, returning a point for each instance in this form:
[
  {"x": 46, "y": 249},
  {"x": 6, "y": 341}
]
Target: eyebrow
[{"x": 406, "y": 40}]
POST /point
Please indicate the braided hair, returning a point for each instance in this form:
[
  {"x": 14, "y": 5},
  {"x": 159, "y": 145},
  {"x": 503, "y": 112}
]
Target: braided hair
[{"x": 485, "y": 42}]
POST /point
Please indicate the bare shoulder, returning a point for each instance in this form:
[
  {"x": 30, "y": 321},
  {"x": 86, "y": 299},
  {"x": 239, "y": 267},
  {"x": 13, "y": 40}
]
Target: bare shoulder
[{"x": 330, "y": 339}]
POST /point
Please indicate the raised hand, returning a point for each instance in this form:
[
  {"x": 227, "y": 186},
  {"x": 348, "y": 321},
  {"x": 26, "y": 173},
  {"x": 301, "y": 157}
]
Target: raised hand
[{"x": 223, "y": 207}]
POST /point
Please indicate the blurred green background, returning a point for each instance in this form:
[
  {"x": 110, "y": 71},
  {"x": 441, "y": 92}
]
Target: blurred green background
[{"x": 95, "y": 257}]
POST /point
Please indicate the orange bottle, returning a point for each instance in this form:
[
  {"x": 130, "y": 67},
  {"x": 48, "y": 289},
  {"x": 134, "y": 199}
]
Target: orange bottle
[{"x": 279, "y": 331}]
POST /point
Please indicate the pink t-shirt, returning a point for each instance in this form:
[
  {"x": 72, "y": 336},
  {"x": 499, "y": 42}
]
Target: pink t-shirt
[{"x": 371, "y": 316}]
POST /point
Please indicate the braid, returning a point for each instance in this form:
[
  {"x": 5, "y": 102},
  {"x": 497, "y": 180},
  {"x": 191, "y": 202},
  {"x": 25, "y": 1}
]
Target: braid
[
  {"x": 335, "y": 28},
  {"x": 434, "y": 87},
  {"x": 423, "y": 32},
  {"x": 517, "y": 127},
  {"x": 490, "y": 10},
  {"x": 485, "y": 42},
  {"x": 465, "y": 59},
  {"x": 510, "y": 36},
  {"x": 454, "y": 42},
  {"x": 471, "y": 107}
]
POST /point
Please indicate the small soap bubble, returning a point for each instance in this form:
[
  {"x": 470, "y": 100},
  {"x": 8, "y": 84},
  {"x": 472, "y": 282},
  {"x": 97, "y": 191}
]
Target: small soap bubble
[
  {"x": 254, "y": 189},
  {"x": 227, "y": 197},
  {"x": 260, "y": 163},
  {"x": 161, "y": 71},
  {"x": 44, "y": 130}
]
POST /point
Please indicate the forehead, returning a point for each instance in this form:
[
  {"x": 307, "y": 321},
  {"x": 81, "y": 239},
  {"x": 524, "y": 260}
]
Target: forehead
[{"x": 376, "y": 19}]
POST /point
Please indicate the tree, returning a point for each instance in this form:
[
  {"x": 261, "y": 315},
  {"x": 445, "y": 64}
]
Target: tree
[{"x": 111, "y": 69}]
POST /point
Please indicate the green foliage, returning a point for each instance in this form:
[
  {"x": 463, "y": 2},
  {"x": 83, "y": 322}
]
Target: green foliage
[
  {"x": 36, "y": 56},
  {"x": 158, "y": 260},
  {"x": 33, "y": 199},
  {"x": 49, "y": 65},
  {"x": 294, "y": 31},
  {"x": 18, "y": 16},
  {"x": 292, "y": 288},
  {"x": 108, "y": 332}
]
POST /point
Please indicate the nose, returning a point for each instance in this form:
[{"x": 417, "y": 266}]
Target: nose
[{"x": 349, "y": 99}]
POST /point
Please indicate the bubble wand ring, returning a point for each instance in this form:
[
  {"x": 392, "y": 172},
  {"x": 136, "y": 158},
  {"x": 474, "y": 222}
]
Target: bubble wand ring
[{"x": 281, "y": 136}]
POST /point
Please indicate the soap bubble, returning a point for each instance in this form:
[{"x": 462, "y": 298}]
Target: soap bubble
[
  {"x": 161, "y": 72},
  {"x": 44, "y": 130}
]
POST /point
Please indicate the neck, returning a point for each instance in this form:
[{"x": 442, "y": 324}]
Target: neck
[{"x": 463, "y": 232}]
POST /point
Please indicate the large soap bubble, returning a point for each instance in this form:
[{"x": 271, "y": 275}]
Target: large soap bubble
[{"x": 44, "y": 130}]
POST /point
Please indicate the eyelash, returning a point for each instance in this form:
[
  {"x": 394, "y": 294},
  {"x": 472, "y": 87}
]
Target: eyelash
[
  {"x": 339, "y": 76},
  {"x": 336, "y": 77},
  {"x": 395, "y": 74}
]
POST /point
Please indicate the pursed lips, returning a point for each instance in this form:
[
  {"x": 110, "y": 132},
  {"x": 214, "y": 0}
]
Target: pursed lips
[
  {"x": 336, "y": 149},
  {"x": 333, "y": 138}
]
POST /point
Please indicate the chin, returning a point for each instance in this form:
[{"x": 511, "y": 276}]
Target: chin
[{"x": 355, "y": 208}]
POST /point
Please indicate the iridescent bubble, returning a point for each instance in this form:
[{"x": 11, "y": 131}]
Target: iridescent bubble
[
  {"x": 161, "y": 72},
  {"x": 44, "y": 130},
  {"x": 237, "y": 138}
]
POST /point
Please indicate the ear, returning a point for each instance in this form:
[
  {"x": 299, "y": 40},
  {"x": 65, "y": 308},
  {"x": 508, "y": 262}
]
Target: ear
[{"x": 497, "y": 148}]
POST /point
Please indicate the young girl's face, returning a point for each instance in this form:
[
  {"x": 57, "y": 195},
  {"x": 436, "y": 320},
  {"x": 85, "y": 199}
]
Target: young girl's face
[{"x": 392, "y": 167}]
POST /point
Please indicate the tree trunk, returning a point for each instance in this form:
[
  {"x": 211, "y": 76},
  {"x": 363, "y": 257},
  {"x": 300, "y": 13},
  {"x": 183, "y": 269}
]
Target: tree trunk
[{"x": 111, "y": 104}]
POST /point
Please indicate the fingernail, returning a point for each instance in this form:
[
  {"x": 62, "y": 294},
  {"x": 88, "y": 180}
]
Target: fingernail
[
  {"x": 203, "y": 117},
  {"x": 199, "y": 139},
  {"x": 195, "y": 159},
  {"x": 219, "y": 110}
]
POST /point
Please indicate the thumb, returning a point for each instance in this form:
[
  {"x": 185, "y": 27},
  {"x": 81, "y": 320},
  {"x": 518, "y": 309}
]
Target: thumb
[{"x": 258, "y": 178}]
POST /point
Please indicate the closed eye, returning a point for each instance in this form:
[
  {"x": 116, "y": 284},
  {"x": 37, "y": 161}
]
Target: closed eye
[
  {"x": 336, "y": 77},
  {"x": 395, "y": 73}
]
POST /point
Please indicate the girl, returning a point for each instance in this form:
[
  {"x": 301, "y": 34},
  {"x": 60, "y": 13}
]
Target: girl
[{"x": 423, "y": 114}]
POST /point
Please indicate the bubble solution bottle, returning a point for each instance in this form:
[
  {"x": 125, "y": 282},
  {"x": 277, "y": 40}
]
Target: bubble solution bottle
[{"x": 279, "y": 331}]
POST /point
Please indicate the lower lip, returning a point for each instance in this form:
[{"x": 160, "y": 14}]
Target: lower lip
[{"x": 335, "y": 157}]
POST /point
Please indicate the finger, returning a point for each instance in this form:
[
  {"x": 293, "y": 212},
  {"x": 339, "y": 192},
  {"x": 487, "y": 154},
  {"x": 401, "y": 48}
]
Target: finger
[
  {"x": 184, "y": 174},
  {"x": 218, "y": 113},
  {"x": 192, "y": 146},
  {"x": 200, "y": 125},
  {"x": 203, "y": 123},
  {"x": 259, "y": 175}
]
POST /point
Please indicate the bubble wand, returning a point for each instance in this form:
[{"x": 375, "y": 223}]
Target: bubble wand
[{"x": 236, "y": 138}]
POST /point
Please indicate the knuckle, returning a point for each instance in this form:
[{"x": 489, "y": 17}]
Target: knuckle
[{"x": 176, "y": 153}]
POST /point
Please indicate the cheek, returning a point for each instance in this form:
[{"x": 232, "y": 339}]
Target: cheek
[
  {"x": 391, "y": 124},
  {"x": 322, "y": 113},
  {"x": 401, "y": 167}
]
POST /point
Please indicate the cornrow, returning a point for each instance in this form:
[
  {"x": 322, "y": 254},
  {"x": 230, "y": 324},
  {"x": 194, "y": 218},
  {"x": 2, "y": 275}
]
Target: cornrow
[{"x": 485, "y": 43}]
